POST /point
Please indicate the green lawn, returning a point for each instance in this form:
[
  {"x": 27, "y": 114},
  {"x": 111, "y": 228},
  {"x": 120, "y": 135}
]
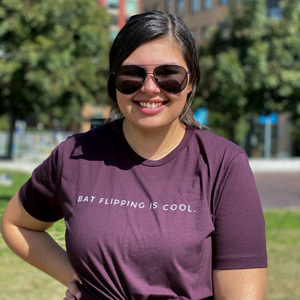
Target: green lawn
[
  {"x": 18, "y": 280},
  {"x": 283, "y": 244}
]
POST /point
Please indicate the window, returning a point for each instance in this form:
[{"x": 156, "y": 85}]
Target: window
[
  {"x": 207, "y": 4},
  {"x": 273, "y": 3},
  {"x": 195, "y": 5},
  {"x": 114, "y": 20},
  {"x": 223, "y": 2},
  {"x": 223, "y": 25},
  {"x": 131, "y": 7},
  {"x": 275, "y": 13},
  {"x": 225, "y": 33},
  {"x": 194, "y": 33},
  {"x": 204, "y": 32},
  {"x": 180, "y": 7},
  {"x": 112, "y": 3}
]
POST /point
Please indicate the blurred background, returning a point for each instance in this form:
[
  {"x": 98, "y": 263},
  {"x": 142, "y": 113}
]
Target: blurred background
[{"x": 53, "y": 77}]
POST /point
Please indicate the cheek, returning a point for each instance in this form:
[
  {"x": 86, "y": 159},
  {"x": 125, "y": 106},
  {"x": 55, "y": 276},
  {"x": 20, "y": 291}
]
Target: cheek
[
  {"x": 124, "y": 102},
  {"x": 121, "y": 99},
  {"x": 180, "y": 102}
]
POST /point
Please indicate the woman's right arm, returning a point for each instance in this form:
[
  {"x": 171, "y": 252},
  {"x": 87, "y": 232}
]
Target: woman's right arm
[{"x": 27, "y": 237}]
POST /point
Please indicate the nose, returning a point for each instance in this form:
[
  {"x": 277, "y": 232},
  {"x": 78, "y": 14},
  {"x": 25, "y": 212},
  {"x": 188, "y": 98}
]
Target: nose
[{"x": 149, "y": 85}]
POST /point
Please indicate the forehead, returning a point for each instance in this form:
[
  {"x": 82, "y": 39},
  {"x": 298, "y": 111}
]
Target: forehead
[{"x": 157, "y": 52}]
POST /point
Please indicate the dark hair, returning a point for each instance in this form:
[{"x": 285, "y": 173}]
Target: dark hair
[{"x": 149, "y": 26}]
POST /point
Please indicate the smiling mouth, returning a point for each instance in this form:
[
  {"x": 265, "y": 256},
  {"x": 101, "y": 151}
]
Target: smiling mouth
[{"x": 151, "y": 105}]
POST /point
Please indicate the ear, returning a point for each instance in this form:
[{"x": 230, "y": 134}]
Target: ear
[{"x": 190, "y": 88}]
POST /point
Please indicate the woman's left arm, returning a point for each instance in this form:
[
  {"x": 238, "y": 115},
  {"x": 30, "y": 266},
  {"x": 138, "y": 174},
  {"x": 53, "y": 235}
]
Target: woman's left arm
[{"x": 246, "y": 284}]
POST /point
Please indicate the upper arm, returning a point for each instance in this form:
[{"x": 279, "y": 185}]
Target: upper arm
[
  {"x": 16, "y": 215},
  {"x": 238, "y": 240},
  {"x": 239, "y": 244},
  {"x": 246, "y": 284}
]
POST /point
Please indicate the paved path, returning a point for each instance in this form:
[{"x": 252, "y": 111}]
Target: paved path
[{"x": 278, "y": 189}]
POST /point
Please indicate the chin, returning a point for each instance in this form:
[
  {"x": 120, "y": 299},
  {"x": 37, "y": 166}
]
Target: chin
[{"x": 153, "y": 123}]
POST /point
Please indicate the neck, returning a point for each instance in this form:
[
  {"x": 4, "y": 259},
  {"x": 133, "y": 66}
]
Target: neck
[{"x": 155, "y": 144}]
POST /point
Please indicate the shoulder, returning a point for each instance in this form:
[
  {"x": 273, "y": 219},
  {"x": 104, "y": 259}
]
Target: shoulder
[
  {"x": 99, "y": 133},
  {"x": 215, "y": 154},
  {"x": 215, "y": 146},
  {"x": 90, "y": 142}
]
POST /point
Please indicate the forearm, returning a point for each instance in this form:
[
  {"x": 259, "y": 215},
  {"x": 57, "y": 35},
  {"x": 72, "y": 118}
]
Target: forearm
[
  {"x": 246, "y": 284},
  {"x": 27, "y": 237},
  {"x": 40, "y": 250}
]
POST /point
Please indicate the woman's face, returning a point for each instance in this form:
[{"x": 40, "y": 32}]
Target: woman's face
[{"x": 165, "y": 107}]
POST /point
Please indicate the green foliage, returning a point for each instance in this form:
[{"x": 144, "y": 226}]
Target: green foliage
[
  {"x": 252, "y": 65},
  {"x": 53, "y": 55},
  {"x": 4, "y": 123}
]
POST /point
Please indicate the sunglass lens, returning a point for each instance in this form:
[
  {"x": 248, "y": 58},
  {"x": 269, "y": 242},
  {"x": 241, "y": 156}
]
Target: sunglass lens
[
  {"x": 172, "y": 79},
  {"x": 128, "y": 79}
]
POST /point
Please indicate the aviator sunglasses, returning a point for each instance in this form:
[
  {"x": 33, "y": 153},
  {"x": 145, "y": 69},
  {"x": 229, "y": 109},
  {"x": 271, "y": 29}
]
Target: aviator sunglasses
[{"x": 170, "y": 78}]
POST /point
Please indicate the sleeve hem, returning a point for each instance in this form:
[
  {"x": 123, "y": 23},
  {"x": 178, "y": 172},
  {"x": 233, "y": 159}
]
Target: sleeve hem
[
  {"x": 240, "y": 263},
  {"x": 33, "y": 213}
]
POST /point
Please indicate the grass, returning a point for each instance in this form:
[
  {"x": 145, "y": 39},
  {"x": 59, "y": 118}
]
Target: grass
[
  {"x": 283, "y": 244},
  {"x": 18, "y": 280}
]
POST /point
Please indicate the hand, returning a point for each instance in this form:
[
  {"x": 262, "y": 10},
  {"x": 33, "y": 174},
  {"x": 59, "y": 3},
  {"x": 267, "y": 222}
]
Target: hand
[{"x": 73, "y": 291}]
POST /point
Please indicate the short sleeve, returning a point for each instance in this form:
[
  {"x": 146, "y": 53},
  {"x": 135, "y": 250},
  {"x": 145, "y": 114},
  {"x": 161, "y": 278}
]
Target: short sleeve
[
  {"x": 40, "y": 194},
  {"x": 239, "y": 237}
]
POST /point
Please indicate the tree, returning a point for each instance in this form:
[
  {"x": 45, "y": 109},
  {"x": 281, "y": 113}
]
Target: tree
[
  {"x": 286, "y": 43},
  {"x": 252, "y": 64},
  {"x": 53, "y": 56}
]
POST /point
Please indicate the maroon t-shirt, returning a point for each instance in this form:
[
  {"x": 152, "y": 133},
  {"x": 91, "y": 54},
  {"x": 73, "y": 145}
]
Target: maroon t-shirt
[{"x": 141, "y": 229}]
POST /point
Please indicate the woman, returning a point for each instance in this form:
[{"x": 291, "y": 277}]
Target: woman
[{"x": 155, "y": 207}]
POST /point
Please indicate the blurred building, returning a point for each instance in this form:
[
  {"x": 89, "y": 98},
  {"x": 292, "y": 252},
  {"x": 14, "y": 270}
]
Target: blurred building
[
  {"x": 201, "y": 16},
  {"x": 120, "y": 11},
  {"x": 90, "y": 112}
]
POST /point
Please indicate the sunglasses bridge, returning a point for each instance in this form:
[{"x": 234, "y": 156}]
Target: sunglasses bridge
[{"x": 147, "y": 76}]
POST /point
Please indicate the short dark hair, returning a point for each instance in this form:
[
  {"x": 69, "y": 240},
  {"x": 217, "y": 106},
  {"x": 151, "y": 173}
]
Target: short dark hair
[{"x": 150, "y": 26}]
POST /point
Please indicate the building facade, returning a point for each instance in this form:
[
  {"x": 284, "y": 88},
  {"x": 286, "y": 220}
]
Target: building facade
[
  {"x": 120, "y": 11},
  {"x": 201, "y": 16}
]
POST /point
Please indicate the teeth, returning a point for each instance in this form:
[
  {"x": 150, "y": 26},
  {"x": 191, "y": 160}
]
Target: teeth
[{"x": 150, "y": 105}]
